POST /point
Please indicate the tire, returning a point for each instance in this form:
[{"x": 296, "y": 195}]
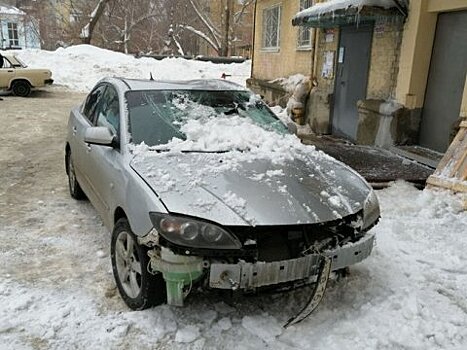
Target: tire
[
  {"x": 21, "y": 88},
  {"x": 138, "y": 288},
  {"x": 73, "y": 186}
]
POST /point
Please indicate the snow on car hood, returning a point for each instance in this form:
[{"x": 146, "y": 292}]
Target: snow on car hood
[
  {"x": 232, "y": 171},
  {"x": 221, "y": 188}
]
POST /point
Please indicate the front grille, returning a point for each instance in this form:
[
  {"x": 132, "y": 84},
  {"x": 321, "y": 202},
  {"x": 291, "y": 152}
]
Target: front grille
[{"x": 274, "y": 243}]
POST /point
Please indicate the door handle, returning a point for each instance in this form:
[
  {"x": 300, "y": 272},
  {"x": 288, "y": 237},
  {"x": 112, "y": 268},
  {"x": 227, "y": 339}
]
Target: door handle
[
  {"x": 74, "y": 130},
  {"x": 88, "y": 147},
  {"x": 343, "y": 83}
]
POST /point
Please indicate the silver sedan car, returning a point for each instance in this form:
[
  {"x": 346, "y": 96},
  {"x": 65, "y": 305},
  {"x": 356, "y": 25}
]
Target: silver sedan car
[{"x": 202, "y": 185}]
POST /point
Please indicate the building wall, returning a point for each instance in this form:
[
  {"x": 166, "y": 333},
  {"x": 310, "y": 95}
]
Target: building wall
[
  {"x": 288, "y": 59},
  {"x": 399, "y": 66},
  {"x": 319, "y": 106},
  {"x": 417, "y": 46},
  {"x": 384, "y": 61}
]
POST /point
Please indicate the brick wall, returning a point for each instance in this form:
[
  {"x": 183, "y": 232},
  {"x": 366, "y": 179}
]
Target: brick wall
[
  {"x": 288, "y": 59},
  {"x": 384, "y": 62}
]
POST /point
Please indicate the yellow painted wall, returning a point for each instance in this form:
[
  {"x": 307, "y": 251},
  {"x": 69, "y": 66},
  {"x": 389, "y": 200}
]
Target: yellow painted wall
[
  {"x": 445, "y": 5},
  {"x": 287, "y": 60},
  {"x": 417, "y": 46}
]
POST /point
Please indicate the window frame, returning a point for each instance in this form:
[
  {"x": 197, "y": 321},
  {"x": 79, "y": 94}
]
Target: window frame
[
  {"x": 83, "y": 109},
  {"x": 275, "y": 48},
  {"x": 7, "y": 64},
  {"x": 13, "y": 34},
  {"x": 100, "y": 108},
  {"x": 301, "y": 46}
]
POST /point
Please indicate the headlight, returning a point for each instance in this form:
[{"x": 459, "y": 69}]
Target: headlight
[
  {"x": 193, "y": 233},
  {"x": 371, "y": 211}
]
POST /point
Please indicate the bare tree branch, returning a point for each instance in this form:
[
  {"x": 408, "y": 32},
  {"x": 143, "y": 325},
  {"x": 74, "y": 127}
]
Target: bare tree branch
[{"x": 86, "y": 32}]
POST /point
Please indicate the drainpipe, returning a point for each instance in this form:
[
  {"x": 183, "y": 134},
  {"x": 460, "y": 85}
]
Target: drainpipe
[
  {"x": 315, "y": 49},
  {"x": 1, "y": 35},
  {"x": 254, "y": 41},
  {"x": 315, "y": 52}
]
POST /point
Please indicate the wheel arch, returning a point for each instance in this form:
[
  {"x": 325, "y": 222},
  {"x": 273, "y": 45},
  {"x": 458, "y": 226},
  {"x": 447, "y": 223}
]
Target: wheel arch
[
  {"x": 119, "y": 213},
  {"x": 15, "y": 80}
]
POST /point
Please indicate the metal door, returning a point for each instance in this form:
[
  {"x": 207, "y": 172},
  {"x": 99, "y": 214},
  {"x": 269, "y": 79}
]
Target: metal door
[
  {"x": 353, "y": 59},
  {"x": 446, "y": 81}
]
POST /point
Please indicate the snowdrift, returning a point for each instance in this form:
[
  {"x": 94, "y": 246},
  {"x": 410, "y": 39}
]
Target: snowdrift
[{"x": 80, "y": 67}]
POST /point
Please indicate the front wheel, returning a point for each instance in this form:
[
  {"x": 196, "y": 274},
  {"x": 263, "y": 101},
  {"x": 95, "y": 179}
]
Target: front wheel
[
  {"x": 21, "y": 88},
  {"x": 138, "y": 288}
]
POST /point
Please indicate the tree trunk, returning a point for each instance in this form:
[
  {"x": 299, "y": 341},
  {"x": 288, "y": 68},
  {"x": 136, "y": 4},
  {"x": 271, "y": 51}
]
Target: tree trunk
[
  {"x": 89, "y": 28},
  {"x": 225, "y": 40},
  {"x": 125, "y": 36}
]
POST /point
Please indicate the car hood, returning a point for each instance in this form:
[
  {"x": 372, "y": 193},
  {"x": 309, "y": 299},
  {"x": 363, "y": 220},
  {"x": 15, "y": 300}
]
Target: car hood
[{"x": 217, "y": 187}]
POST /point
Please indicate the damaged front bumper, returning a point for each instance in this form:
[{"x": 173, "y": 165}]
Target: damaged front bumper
[
  {"x": 180, "y": 272},
  {"x": 247, "y": 276}
]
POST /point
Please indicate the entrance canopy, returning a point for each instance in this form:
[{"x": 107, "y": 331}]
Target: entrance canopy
[{"x": 335, "y": 13}]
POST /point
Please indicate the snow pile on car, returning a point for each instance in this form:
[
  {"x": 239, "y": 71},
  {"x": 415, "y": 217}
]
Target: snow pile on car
[
  {"x": 240, "y": 138},
  {"x": 80, "y": 67}
]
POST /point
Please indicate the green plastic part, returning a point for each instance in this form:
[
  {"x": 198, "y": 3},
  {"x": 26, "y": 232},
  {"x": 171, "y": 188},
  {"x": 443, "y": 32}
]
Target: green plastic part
[{"x": 175, "y": 282}]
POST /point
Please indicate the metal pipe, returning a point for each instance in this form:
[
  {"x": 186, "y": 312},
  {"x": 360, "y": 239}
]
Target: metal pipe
[
  {"x": 315, "y": 52},
  {"x": 254, "y": 41},
  {"x": 1, "y": 35},
  {"x": 315, "y": 49}
]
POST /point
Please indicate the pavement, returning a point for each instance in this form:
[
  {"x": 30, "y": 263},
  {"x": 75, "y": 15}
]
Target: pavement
[{"x": 377, "y": 165}]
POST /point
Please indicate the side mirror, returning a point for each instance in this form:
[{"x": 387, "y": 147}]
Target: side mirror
[
  {"x": 292, "y": 127},
  {"x": 99, "y": 135}
]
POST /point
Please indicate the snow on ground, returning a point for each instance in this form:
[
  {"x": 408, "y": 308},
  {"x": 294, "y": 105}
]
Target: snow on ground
[
  {"x": 410, "y": 294},
  {"x": 80, "y": 67}
]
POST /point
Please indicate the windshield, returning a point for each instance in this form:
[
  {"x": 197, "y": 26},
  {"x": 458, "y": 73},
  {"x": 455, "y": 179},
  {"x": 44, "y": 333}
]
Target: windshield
[{"x": 158, "y": 118}]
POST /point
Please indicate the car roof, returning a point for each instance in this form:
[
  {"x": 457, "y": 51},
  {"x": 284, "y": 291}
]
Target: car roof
[{"x": 197, "y": 84}]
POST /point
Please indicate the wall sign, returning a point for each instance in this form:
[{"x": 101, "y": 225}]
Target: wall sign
[
  {"x": 340, "y": 59},
  {"x": 328, "y": 65},
  {"x": 329, "y": 35}
]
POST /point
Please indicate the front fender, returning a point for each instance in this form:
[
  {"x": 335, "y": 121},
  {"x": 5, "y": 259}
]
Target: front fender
[{"x": 138, "y": 200}]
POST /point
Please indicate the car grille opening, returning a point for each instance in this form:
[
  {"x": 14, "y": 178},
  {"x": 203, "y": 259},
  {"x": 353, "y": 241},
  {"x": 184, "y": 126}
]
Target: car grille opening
[{"x": 275, "y": 243}]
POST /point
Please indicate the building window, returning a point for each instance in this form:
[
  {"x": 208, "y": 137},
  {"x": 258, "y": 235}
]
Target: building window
[
  {"x": 75, "y": 16},
  {"x": 13, "y": 34},
  {"x": 271, "y": 27},
  {"x": 304, "y": 33}
]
